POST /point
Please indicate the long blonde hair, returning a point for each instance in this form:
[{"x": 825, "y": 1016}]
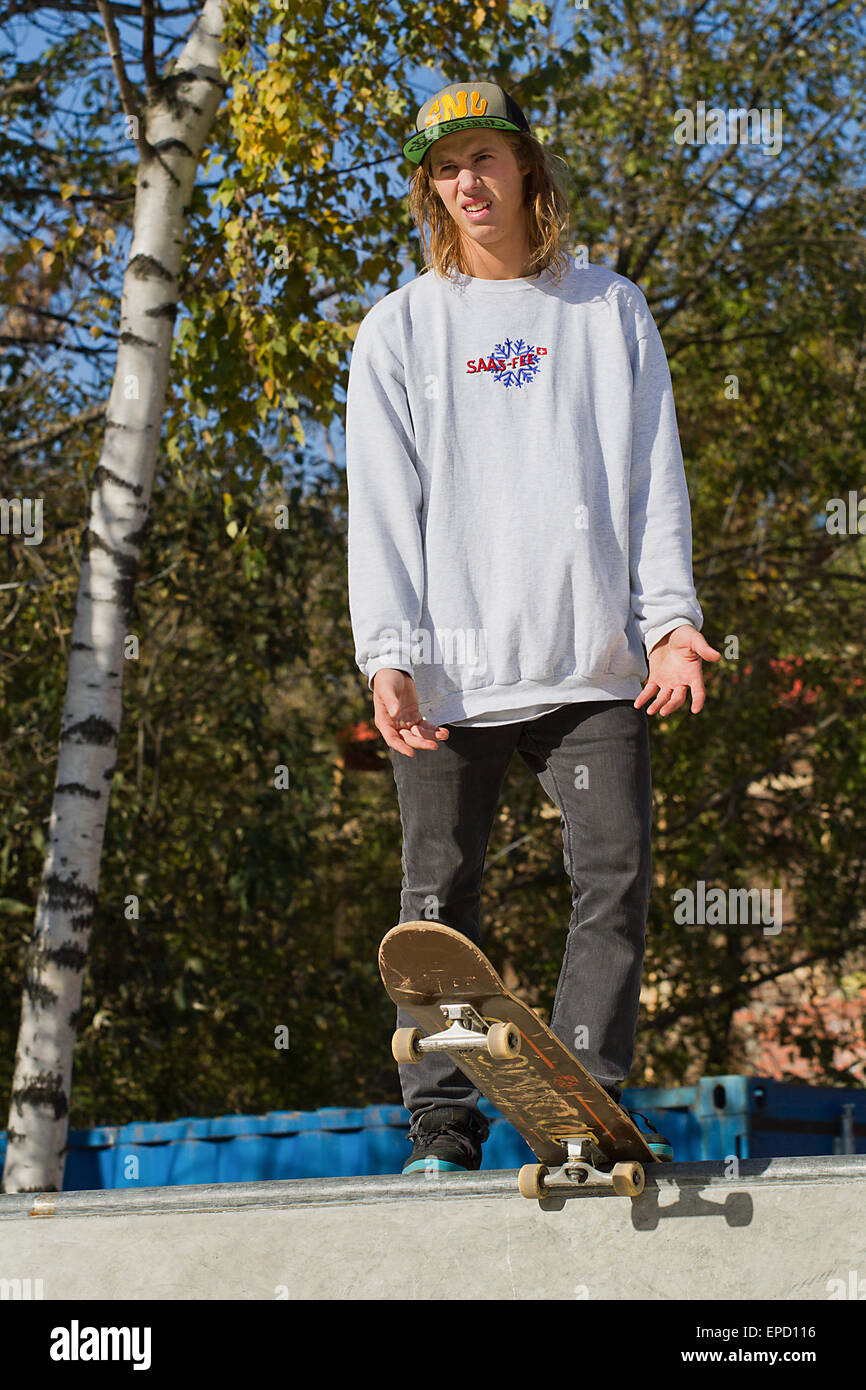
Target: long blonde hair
[{"x": 544, "y": 201}]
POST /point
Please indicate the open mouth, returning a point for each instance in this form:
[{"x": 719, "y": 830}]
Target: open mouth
[{"x": 475, "y": 211}]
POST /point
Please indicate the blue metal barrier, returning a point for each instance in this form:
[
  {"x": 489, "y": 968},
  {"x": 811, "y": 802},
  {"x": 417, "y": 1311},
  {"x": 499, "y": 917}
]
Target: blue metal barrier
[{"x": 719, "y": 1117}]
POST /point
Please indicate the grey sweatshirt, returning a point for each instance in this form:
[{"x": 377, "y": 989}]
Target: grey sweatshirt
[{"x": 519, "y": 525}]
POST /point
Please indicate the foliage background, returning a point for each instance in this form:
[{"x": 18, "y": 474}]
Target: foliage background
[{"x": 262, "y": 907}]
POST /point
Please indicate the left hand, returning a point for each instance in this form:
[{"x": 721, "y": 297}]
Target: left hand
[{"x": 674, "y": 668}]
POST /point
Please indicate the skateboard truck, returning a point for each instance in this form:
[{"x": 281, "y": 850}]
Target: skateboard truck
[
  {"x": 581, "y": 1138},
  {"x": 579, "y": 1168},
  {"x": 466, "y": 1031}
]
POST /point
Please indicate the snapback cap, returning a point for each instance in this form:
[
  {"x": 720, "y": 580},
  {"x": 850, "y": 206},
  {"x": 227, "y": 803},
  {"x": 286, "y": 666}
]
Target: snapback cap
[{"x": 461, "y": 106}]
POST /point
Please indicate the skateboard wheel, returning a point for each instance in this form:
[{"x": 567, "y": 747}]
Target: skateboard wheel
[
  {"x": 404, "y": 1045},
  {"x": 503, "y": 1041},
  {"x": 530, "y": 1180},
  {"x": 627, "y": 1179}
]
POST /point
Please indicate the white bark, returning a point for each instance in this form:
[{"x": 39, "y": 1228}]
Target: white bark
[{"x": 178, "y": 121}]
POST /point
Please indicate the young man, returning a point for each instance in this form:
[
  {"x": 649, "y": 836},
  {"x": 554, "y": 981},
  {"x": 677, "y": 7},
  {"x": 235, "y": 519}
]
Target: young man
[{"x": 519, "y": 530}]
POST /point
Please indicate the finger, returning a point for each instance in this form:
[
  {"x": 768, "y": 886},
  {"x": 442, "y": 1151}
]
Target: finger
[
  {"x": 698, "y": 696},
  {"x": 676, "y": 701},
  {"x": 646, "y": 694},
  {"x": 420, "y": 734},
  {"x": 419, "y": 725},
  {"x": 392, "y": 734},
  {"x": 661, "y": 699},
  {"x": 407, "y": 718},
  {"x": 397, "y": 744},
  {"x": 416, "y": 739},
  {"x": 700, "y": 647}
]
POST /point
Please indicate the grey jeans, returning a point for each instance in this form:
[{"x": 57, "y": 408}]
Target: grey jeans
[{"x": 593, "y": 761}]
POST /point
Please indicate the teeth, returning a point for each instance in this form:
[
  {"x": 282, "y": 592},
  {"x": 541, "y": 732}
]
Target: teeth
[{"x": 476, "y": 207}]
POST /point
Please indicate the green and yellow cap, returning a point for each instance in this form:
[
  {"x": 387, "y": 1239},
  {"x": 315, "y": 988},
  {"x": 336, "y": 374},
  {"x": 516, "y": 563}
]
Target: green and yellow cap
[{"x": 461, "y": 106}]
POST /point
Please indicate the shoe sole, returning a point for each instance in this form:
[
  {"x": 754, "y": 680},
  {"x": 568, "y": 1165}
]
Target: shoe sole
[
  {"x": 663, "y": 1151},
  {"x": 434, "y": 1165}
]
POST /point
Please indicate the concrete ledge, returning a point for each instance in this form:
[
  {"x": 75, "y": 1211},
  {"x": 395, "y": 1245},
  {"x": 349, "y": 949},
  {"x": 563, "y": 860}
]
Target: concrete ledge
[
  {"x": 779, "y": 1229},
  {"x": 306, "y": 1191}
]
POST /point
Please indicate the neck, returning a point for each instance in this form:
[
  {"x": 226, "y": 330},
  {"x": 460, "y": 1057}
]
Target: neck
[{"x": 509, "y": 261}]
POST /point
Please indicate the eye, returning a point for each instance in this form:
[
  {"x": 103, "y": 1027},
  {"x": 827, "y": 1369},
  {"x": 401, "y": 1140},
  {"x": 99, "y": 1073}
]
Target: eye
[{"x": 443, "y": 168}]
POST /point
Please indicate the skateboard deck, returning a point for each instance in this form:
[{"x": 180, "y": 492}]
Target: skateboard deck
[{"x": 536, "y": 1083}]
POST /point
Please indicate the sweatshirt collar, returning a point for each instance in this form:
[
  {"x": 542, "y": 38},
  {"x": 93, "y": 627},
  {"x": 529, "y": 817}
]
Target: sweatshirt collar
[{"x": 472, "y": 284}]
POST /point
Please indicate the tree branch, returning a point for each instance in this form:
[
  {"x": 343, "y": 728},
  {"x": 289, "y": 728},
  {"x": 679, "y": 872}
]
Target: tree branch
[
  {"x": 757, "y": 775},
  {"x": 20, "y": 89},
  {"x": 45, "y": 192},
  {"x": 740, "y": 992},
  {"x": 63, "y": 7},
  {"x": 35, "y": 441},
  {"x": 128, "y": 97},
  {"x": 150, "y": 74},
  {"x": 20, "y": 340},
  {"x": 207, "y": 260}
]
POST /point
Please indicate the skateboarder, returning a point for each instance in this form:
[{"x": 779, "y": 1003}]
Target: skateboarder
[{"x": 519, "y": 536}]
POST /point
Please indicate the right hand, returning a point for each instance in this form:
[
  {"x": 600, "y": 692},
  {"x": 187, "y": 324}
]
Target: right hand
[{"x": 397, "y": 716}]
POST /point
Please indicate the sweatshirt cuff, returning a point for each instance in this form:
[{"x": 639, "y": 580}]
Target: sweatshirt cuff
[
  {"x": 655, "y": 634},
  {"x": 394, "y": 661}
]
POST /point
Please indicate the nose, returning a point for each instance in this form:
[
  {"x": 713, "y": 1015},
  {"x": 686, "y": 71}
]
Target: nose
[{"x": 467, "y": 182}]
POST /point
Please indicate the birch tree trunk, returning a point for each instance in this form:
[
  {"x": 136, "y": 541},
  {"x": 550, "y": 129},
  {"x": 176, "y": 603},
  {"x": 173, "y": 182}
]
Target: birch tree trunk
[{"x": 180, "y": 112}]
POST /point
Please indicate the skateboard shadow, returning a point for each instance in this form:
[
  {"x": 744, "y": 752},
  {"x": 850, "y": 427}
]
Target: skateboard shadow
[
  {"x": 697, "y": 1195},
  {"x": 736, "y": 1208}
]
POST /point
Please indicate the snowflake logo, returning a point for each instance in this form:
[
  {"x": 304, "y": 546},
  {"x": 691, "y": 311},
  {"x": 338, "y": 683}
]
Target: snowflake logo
[{"x": 518, "y": 362}]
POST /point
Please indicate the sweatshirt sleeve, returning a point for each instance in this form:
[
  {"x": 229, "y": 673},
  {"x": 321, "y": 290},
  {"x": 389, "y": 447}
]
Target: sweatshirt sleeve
[
  {"x": 385, "y": 551},
  {"x": 660, "y": 528}
]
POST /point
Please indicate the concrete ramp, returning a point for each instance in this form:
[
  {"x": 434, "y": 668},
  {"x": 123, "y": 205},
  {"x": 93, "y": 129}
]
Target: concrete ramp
[{"x": 776, "y": 1229}]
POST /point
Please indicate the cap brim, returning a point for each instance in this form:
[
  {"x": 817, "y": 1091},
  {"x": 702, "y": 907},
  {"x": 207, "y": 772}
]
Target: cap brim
[{"x": 416, "y": 148}]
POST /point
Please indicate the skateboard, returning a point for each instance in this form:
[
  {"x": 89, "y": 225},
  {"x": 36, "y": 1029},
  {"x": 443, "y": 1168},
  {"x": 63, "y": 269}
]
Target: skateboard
[{"x": 579, "y": 1134}]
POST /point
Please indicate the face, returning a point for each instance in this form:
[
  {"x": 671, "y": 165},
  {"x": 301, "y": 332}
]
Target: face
[{"x": 475, "y": 167}]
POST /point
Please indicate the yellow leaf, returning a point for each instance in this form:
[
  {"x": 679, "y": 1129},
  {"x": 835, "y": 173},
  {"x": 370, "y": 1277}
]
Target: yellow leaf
[{"x": 269, "y": 388}]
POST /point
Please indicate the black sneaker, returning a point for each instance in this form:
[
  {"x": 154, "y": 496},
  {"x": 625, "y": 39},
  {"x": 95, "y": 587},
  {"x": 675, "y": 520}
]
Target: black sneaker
[
  {"x": 447, "y": 1140},
  {"x": 657, "y": 1143}
]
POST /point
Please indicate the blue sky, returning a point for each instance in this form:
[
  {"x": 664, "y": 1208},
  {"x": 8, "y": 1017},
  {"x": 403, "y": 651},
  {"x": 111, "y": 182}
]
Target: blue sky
[{"x": 28, "y": 37}]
